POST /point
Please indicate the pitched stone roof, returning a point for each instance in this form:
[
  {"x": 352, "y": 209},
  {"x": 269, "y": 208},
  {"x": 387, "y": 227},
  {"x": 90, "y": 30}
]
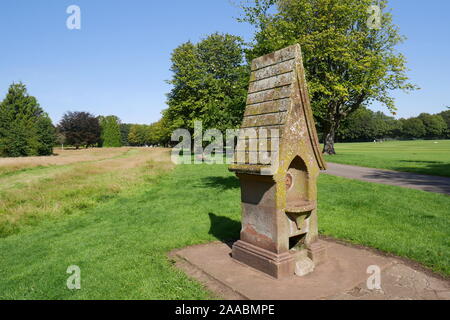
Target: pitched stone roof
[{"x": 277, "y": 85}]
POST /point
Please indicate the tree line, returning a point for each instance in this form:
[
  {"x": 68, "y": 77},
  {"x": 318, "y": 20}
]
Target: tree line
[
  {"x": 27, "y": 130},
  {"x": 82, "y": 129},
  {"x": 366, "y": 125}
]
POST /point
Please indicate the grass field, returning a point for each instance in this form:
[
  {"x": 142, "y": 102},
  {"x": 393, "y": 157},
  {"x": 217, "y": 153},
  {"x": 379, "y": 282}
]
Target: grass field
[
  {"x": 35, "y": 189},
  {"x": 426, "y": 157},
  {"x": 120, "y": 240}
]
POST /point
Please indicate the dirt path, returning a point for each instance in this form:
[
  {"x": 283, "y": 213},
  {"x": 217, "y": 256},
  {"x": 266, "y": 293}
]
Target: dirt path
[{"x": 395, "y": 178}]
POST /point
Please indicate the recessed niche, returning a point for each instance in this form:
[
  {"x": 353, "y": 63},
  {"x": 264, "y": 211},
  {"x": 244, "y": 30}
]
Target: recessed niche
[
  {"x": 297, "y": 184},
  {"x": 297, "y": 243}
]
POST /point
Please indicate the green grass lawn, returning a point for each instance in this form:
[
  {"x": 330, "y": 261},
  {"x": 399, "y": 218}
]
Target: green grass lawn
[
  {"x": 121, "y": 245},
  {"x": 31, "y": 193},
  {"x": 426, "y": 157}
]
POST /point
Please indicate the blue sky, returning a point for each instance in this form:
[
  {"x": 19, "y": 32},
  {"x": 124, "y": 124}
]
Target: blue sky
[{"x": 119, "y": 61}]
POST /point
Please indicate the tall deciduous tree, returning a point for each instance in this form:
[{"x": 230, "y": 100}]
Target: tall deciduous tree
[
  {"x": 348, "y": 63},
  {"x": 111, "y": 135},
  {"x": 25, "y": 129},
  {"x": 446, "y": 116},
  {"x": 366, "y": 125},
  {"x": 161, "y": 133},
  {"x": 209, "y": 82},
  {"x": 80, "y": 129},
  {"x": 138, "y": 135},
  {"x": 435, "y": 125},
  {"x": 413, "y": 128},
  {"x": 124, "y": 132}
]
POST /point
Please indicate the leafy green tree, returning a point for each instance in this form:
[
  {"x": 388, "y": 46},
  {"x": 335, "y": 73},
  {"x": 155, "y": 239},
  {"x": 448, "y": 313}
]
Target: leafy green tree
[
  {"x": 446, "y": 116},
  {"x": 347, "y": 63},
  {"x": 157, "y": 134},
  {"x": 366, "y": 125},
  {"x": 124, "y": 132},
  {"x": 435, "y": 125},
  {"x": 80, "y": 129},
  {"x": 138, "y": 135},
  {"x": 209, "y": 81},
  {"x": 383, "y": 125},
  {"x": 162, "y": 133},
  {"x": 413, "y": 128},
  {"x": 60, "y": 138},
  {"x": 396, "y": 129},
  {"x": 151, "y": 137},
  {"x": 25, "y": 129},
  {"x": 46, "y": 136},
  {"x": 357, "y": 126},
  {"x": 111, "y": 135}
]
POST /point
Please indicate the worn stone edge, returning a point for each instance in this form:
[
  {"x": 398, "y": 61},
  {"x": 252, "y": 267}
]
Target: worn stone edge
[
  {"x": 183, "y": 264},
  {"x": 415, "y": 265}
]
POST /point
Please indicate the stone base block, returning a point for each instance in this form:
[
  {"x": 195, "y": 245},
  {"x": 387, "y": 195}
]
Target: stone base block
[
  {"x": 278, "y": 266},
  {"x": 317, "y": 252},
  {"x": 304, "y": 267},
  {"x": 343, "y": 276}
]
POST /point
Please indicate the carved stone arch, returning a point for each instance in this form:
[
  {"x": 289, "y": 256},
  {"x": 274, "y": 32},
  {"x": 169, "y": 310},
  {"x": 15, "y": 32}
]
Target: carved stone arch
[{"x": 297, "y": 182}]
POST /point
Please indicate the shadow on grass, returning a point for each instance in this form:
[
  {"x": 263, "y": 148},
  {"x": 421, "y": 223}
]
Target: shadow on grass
[
  {"x": 224, "y": 229},
  {"x": 223, "y": 183},
  {"x": 428, "y": 183},
  {"x": 420, "y": 161},
  {"x": 433, "y": 168}
]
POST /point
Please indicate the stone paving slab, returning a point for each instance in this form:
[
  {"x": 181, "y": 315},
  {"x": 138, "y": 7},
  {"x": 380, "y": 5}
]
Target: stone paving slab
[
  {"x": 342, "y": 277},
  {"x": 395, "y": 178}
]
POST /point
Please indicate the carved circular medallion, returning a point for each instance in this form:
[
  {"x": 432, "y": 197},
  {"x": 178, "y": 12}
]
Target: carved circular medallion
[{"x": 289, "y": 181}]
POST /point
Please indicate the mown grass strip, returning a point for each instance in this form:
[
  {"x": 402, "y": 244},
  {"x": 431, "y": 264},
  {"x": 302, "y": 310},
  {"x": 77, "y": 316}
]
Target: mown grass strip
[{"x": 424, "y": 157}]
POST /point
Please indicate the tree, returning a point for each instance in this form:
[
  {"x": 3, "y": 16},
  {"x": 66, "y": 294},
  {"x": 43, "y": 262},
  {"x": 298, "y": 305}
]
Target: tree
[
  {"x": 209, "y": 82},
  {"x": 383, "y": 125},
  {"x": 357, "y": 126},
  {"x": 60, "y": 139},
  {"x": 366, "y": 125},
  {"x": 396, "y": 129},
  {"x": 124, "y": 132},
  {"x": 151, "y": 137},
  {"x": 157, "y": 134},
  {"x": 80, "y": 129},
  {"x": 162, "y": 133},
  {"x": 138, "y": 135},
  {"x": 111, "y": 135},
  {"x": 435, "y": 125},
  {"x": 46, "y": 136},
  {"x": 347, "y": 63},
  {"x": 25, "y": 129},
  {"x": 446, "y": 116},
  {"x": 413, "y": 128}
]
